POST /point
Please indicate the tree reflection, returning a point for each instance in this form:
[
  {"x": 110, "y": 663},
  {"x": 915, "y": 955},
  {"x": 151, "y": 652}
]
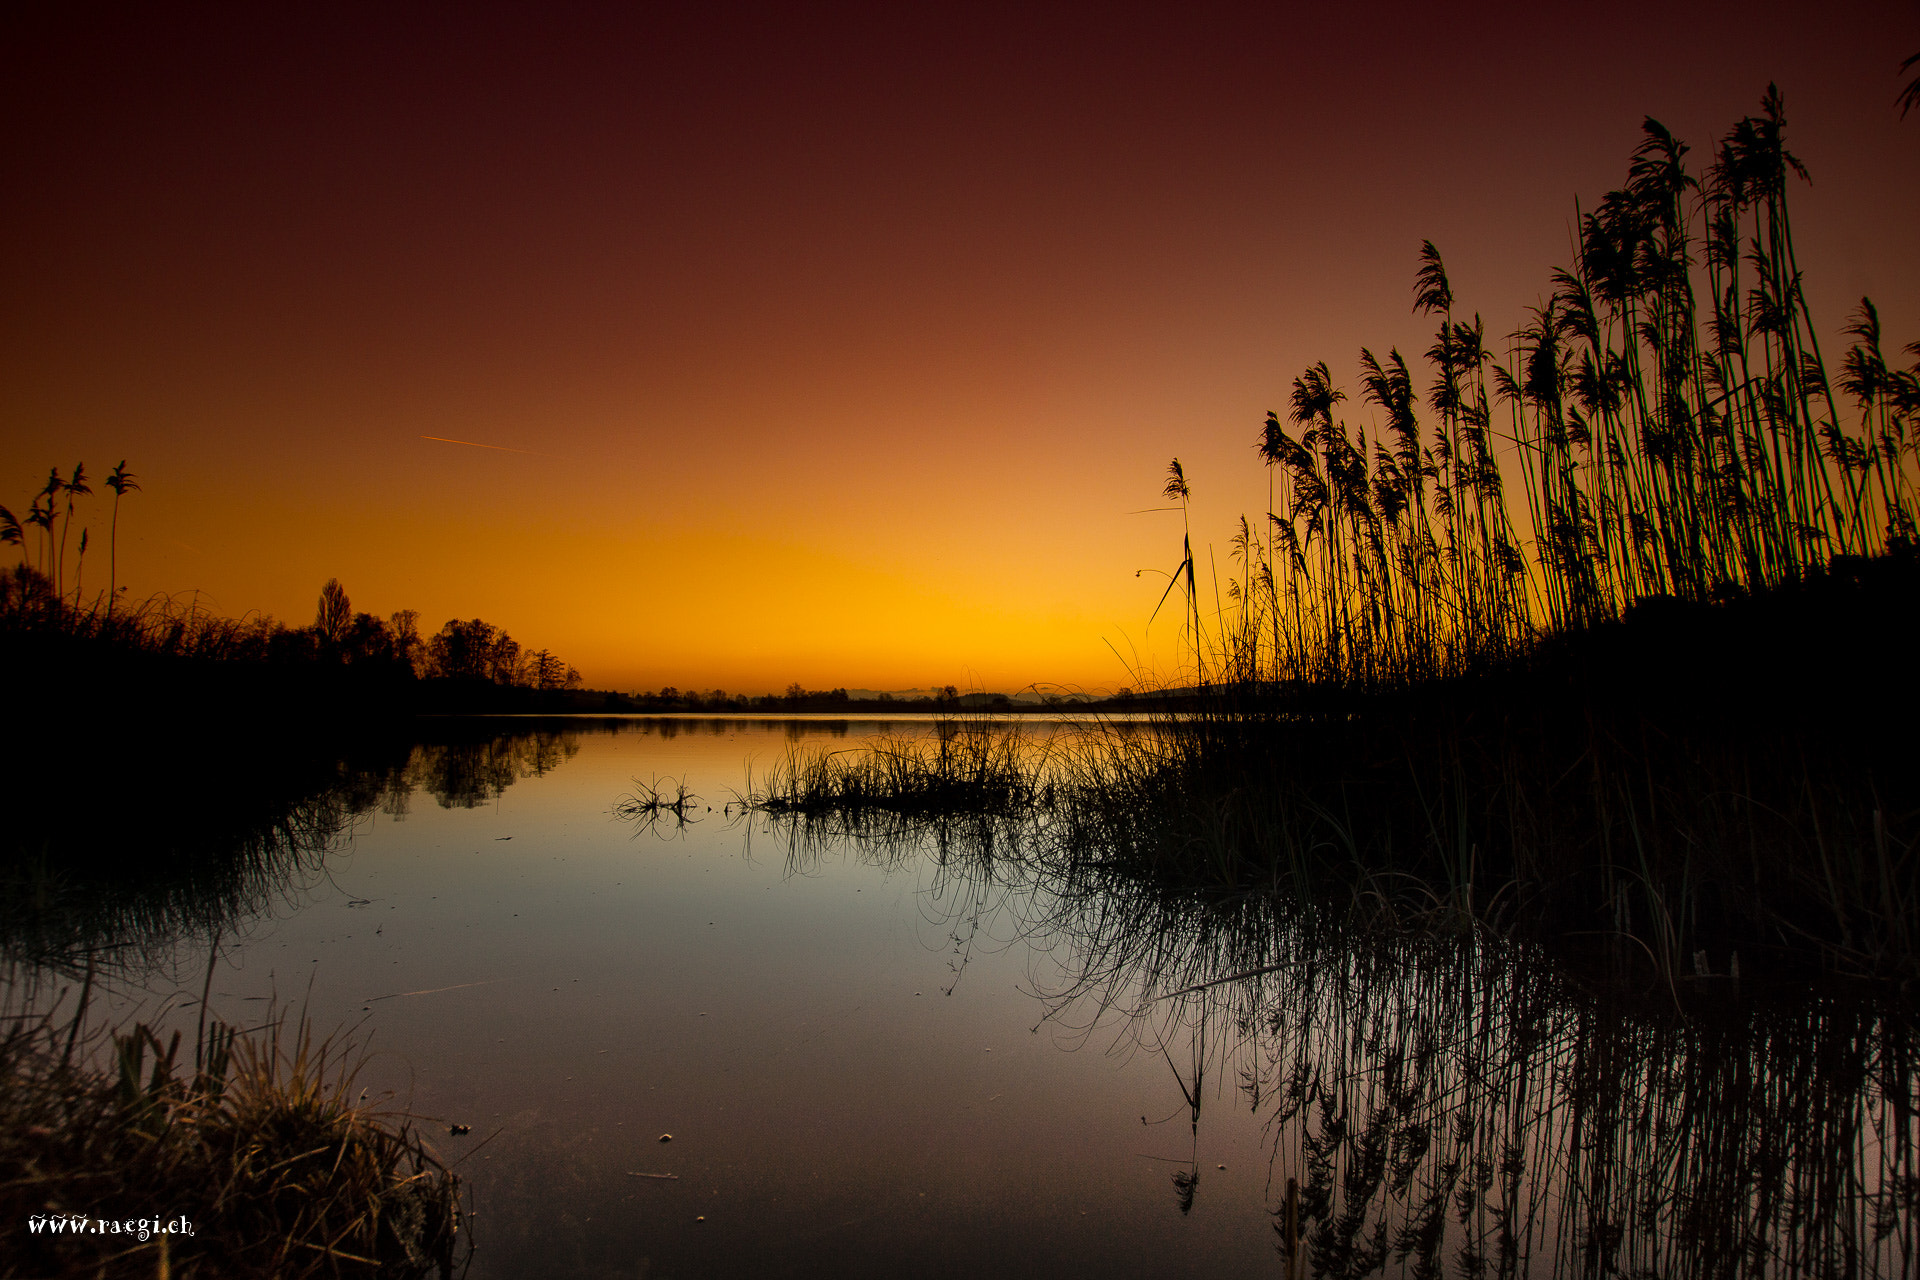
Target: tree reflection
[
  {"x": 123, "y": 890},
  {"x": 469, "y": 774}
]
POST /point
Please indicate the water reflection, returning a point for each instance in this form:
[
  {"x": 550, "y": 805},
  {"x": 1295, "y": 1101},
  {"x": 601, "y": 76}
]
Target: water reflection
[
  {"x": 1431, "y": 1107},
  {"x": 1456, "y": 1106},
  {"x": 468, "y": 774},
  {"x": 104, "y": 867},
  {"x": 122, "y": 888}
]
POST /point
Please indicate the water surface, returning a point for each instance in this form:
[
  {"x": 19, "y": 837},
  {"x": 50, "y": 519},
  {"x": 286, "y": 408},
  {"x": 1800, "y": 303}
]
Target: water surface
[{"x": 934, "y": 1052}]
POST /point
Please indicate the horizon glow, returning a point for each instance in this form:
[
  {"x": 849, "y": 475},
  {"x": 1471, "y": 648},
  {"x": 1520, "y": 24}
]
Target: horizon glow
[{"x": 846, "y": 348}]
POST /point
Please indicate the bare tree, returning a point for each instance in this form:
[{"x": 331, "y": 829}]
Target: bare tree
[
  {"x": 335, "y": 614},
  {"x": 407, "y": 645}
]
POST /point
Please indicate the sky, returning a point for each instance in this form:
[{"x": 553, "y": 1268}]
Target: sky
[{"x": 845, "y": 345}]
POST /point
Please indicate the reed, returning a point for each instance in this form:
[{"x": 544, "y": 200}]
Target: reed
[
  {"x": 259, "y": 1145},
  {"x": 1667, "y": 417}
]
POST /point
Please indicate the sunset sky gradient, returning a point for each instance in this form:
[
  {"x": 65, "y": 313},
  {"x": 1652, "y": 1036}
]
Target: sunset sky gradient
[{"x": 833, "y": 344}]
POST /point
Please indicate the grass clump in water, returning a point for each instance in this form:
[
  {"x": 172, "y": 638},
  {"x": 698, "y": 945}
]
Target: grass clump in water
[
  {"x": 258, "y": 1144},
  {"x": 964, "y": 771}
]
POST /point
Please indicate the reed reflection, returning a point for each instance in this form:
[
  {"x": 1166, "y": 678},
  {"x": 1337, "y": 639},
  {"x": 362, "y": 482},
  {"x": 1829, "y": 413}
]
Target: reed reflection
[{"x": 1441, "y": 1104}]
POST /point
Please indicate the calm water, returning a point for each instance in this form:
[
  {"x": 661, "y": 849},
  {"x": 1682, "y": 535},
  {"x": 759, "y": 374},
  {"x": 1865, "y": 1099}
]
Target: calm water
[{"x": 931, "y": 1057}]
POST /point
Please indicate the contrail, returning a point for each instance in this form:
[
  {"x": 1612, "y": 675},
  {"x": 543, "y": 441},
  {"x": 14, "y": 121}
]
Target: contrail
[{"x": 498, "y": 448}]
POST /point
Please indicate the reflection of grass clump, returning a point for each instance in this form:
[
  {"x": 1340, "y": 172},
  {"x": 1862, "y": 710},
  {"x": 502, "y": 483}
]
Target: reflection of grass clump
[{"x": 258, "y": 1145}]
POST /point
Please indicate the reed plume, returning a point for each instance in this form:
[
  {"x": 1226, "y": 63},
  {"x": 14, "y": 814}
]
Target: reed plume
[{"x": 1666, "y": 413}]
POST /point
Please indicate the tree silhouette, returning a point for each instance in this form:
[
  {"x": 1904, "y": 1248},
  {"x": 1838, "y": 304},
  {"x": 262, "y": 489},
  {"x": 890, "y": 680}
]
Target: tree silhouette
[
  {"x": 468, "y": 650},
  {"x": 503, "y": 660},
  {"x": 369, "y": 641},
  {"x": 548, "y": 671},
  {"x": 119, "y": 481},
  {"x": 408, "y": 648},
  {"x": 335, "y": 614},
  {"x": 1910, "y": 96}
]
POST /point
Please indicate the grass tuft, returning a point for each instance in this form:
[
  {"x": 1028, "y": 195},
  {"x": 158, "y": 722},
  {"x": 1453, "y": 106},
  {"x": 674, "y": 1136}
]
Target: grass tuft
[{"x": 258, "y": 1144}]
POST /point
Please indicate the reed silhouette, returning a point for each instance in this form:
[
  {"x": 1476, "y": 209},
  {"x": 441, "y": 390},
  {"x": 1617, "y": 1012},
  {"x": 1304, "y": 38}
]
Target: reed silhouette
[
  {"x": 1657, "y": 700},
  {"x": 1667, "y": 415}
]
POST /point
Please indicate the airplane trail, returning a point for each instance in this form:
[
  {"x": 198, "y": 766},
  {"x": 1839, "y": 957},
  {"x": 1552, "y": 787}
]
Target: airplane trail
[{"x": 498, "y": 448}]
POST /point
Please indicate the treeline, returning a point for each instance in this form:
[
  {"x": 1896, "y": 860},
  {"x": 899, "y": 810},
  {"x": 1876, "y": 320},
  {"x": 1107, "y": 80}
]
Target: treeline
[
  {"x": 797, "y": 697},
  {"x": 471, "y": 650},
  {"x": 43, "y": 600}
]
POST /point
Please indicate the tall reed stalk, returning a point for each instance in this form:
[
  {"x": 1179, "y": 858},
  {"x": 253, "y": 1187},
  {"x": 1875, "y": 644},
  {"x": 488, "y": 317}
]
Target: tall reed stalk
[{"x": 1667, "y": 415}]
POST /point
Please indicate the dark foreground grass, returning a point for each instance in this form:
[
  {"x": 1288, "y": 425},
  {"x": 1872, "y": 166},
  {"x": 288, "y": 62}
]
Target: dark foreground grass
[{"x": 257, "y": 1143}]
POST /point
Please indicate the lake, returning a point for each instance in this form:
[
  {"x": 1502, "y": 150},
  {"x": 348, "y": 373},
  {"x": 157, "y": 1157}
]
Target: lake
[{"x": 927, "y": 1051}]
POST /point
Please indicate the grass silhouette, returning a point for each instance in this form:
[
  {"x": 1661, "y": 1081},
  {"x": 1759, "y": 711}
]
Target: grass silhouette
[{"x": 259, "y": 1146}]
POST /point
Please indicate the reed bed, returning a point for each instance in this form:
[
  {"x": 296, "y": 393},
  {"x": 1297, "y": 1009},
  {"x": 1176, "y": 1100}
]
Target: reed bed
[
  {"x": 162, "y": 626},
  {"x": 1667, "y": 417},
  {"x": 257, "y": 1144},
  {"x": 1597, "y": 637}
]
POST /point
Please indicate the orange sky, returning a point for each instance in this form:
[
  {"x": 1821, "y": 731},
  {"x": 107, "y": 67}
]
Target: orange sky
[{"x": 843, "y": 346}]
